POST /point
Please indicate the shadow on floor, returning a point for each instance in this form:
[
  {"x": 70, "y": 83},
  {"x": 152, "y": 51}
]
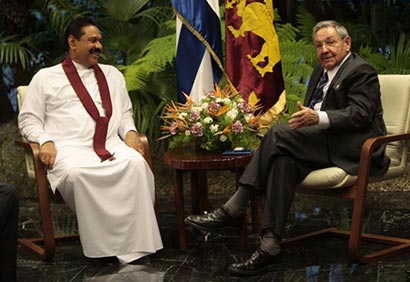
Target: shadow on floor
[{"x": 207, "y": 260}]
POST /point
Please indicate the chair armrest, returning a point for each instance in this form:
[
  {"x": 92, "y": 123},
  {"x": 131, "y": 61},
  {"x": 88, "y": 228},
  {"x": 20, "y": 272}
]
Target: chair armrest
[
  {"x": 147, "y": 152},
  {"x": 367, "y": 151},
  {"x": 33, "y": 147}
]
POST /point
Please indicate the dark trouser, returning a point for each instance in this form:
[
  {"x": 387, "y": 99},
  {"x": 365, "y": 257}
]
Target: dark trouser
[
  {"x": 9, "y": 211},
  {"x": 283, "y": 159}
]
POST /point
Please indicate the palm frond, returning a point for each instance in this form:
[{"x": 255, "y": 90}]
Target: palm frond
[
  {"x": 377, "y": 60},
  {"x": 158, "y": 53},
  {"x": 135, "y": 77},
  {"x": 158, "y": 15},
  {"x": 60, "y": 13},
  {"x": 306, "y": 22},
  {"x": 286, "y": 32},
  {"x": 14, "y": 52},
  {"x": 400, "y": 54},
  {"x": 123, "y": 10}
]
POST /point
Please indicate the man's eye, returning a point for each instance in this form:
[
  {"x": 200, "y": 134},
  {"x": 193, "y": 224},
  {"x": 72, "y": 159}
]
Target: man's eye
[{"x": 319, "y": 45}]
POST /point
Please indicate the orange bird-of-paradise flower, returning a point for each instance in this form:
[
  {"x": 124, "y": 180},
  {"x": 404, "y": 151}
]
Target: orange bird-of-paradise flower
[
  {"x": 223, "y": 110},
  {"x": 226, "y": 130}
]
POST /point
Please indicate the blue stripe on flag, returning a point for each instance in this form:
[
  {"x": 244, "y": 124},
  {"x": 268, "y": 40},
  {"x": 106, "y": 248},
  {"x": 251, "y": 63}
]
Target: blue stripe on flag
[
  {"x": 190, "y": 50},
  {"x": 189, "y": 56}
]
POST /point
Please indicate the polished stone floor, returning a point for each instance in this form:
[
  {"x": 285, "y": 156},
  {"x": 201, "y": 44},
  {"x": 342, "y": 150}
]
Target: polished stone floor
[{"x": 208, "y": 256}]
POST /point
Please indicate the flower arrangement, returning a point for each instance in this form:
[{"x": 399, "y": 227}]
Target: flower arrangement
[{"x": 221, "y": 120}]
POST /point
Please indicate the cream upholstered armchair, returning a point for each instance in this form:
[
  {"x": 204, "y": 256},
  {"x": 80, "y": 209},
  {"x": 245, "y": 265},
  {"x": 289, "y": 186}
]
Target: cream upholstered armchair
[
  {"x": 45, "y": 246},
  {"x": 334, "y": 181}
]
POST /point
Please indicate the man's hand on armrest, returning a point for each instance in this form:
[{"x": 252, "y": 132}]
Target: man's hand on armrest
[
  {"x": 133, "y": 140},
  {"x": 48, "y": 153}
]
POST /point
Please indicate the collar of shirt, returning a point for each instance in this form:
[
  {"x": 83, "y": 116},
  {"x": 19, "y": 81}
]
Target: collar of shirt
[
  {"x": 83, "y": 71},
  {"x": 331, "y": 74},
  {"x": 79, "y": 66}
]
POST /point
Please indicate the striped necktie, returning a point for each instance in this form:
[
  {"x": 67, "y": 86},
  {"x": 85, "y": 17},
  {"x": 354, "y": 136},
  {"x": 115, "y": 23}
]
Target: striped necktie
[{"x": 318, "y": 95}]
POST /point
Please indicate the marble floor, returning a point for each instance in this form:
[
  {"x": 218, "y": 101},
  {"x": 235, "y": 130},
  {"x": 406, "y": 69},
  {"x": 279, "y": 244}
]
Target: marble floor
[{"x": 208, "y": 256}]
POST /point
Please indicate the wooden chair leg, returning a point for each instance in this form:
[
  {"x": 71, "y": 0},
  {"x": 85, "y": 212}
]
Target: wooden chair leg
[
  {"x": 46, "y": 252},
  {"x": 43, "y": 246},
  {"x": 355, "y": 236}
]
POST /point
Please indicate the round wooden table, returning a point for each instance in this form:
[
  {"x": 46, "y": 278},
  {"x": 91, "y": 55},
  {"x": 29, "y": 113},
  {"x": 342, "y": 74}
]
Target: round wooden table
[{"x": 198, "y": 162}]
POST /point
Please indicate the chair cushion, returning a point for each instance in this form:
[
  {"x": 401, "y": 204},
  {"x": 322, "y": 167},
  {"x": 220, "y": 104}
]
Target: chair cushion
[
  {"x": 331, "y": 177},
  {"x": 335, "y": 177}
]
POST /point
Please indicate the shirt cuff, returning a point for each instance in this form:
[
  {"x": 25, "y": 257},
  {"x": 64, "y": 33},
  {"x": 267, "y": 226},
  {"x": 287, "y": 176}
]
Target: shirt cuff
[
  {"x": 123, "y": 131},
  {"x": 323, "y": 120},
  {"x": 43, "y": 139}
]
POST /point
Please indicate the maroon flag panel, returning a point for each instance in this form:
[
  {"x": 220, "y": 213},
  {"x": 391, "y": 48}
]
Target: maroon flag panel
[{"x": 252, "y": 53}]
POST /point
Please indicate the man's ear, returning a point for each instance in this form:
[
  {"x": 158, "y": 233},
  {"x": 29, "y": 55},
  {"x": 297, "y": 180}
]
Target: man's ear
[
  {"x": 348, "y": 42},
  {"x": 71, "y": 40}
]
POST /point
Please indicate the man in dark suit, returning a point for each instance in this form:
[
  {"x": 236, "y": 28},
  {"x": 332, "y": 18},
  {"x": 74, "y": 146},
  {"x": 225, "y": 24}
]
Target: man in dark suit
[
  {"x": 9, "y": 211},
  {"x": 342, "y": 106}
]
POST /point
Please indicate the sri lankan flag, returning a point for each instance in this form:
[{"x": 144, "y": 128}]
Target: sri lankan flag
[{"x": 252, "y": 54}]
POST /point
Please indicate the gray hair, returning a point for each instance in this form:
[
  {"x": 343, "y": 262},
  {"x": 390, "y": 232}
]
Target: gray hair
[{"x": 340, "y": 29}]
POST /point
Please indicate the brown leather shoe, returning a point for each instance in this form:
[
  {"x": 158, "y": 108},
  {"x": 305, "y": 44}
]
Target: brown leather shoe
[
  {"x": 217, "y": 220},
  {"x": 258, "y": 262}
]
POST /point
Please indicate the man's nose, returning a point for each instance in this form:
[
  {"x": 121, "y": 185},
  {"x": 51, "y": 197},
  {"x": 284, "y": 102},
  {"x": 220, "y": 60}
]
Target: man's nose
[{"x": 99, "y": 45}]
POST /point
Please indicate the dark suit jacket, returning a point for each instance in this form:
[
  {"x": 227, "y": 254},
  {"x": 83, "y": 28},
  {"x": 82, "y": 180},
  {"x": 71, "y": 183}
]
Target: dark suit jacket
[{"x": 355, "y": 112}]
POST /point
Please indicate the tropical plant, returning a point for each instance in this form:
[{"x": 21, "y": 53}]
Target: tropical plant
[
  {"x": 399, "y": 55},
  {"x": 297, "y": 59},
  {"x": 140, "y": 40},
  {"x": 14, "y": 50}
]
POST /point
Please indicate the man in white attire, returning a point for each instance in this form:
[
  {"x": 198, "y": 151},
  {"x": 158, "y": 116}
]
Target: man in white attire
[{"x": 81, "y": 115}]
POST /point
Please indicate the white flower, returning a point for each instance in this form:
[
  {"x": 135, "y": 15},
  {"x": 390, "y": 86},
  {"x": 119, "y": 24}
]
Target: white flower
[
  {"x": 232, "y": 114},
  {"x": 227, "y": 101},
  {"x": 223, "y": 138},
  {"x": 218, "y": 100},
  {"x": 248, "y": 117},
  {"x": 197, "y": 109},
  {"x": 214, "y": 128},
  {"x": 208, "y": 120},
  {"x": 205, "y": 106},
  {"x": 187, "y": 132},
  {"x": 182, "y": 115}
]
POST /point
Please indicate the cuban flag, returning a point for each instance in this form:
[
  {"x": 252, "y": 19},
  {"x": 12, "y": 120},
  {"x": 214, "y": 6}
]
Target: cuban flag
[{"x": 199, "y": 47}]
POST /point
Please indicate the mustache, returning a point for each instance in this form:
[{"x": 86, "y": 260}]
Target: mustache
[{"x": 95, "y": 51}]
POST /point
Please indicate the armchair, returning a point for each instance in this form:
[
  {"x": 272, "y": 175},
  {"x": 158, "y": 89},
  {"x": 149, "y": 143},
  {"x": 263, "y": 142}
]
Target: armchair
[{"x": 333, "y": 181}]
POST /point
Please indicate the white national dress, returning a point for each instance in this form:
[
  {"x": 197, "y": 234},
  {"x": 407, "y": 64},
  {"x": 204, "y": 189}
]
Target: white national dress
[{"x": 113, "y": 200}]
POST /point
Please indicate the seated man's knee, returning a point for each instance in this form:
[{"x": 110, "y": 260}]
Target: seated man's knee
[{"x": 73, "y": 174}]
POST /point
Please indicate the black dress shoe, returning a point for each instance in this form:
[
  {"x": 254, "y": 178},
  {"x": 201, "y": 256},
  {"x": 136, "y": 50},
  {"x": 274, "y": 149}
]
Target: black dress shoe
[
  {"x": 217, "y": 220},
  {"x": 258, "y": 262}
]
